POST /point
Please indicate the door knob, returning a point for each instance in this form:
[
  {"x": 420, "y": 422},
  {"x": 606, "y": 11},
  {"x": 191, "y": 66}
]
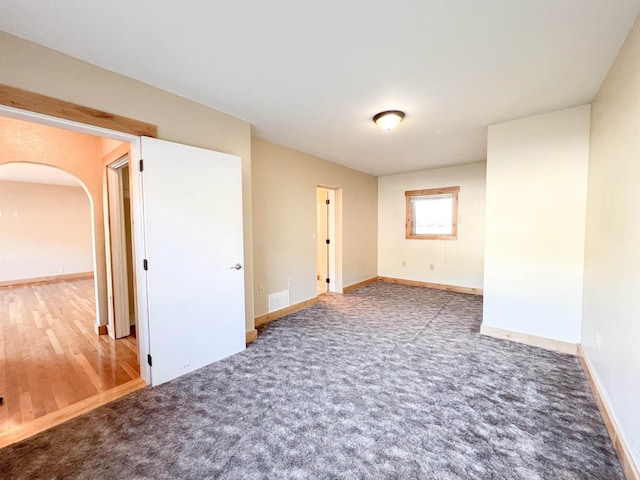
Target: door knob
[{"x": 237, "y": 266}]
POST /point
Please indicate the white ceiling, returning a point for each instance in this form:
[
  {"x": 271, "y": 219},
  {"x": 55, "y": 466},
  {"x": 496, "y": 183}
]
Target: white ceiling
[
  {"x": 310, "y": 74},
  {"x": 32, "y": 173}
]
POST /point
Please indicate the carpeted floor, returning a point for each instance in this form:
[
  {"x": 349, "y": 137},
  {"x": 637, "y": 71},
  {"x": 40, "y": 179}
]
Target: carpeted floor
[{"x": 387, "y": 382}]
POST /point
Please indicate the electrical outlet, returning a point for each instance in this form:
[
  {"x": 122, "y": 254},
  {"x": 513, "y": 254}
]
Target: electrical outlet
[
  {"x": 60, "y": 269},
  {"x": 404, "y": 263},
  {"x": 431, "y": 266},
  {"x": 599, "y": 339},
  {"x": 356, "y": 267},
  {"x": 261, "y": 289}
]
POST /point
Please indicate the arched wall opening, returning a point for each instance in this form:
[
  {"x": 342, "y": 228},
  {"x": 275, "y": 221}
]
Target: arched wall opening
[
  {"x": 77, "y": 154},
  {"x": 47, "y": 231}
]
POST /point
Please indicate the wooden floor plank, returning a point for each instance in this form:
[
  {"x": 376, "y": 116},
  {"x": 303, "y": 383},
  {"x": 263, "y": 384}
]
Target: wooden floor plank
[
  {"x": 20, "y": 432},
  {"x": 51, "y": 358}
]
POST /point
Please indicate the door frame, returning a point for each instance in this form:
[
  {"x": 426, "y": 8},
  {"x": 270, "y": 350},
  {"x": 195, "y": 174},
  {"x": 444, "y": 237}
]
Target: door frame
[
  {"x": 321, "y": 236},
  {"x": 334, "y": 233},
  {"x": 119, "y": 324},
  {"x": 142, "y": 332}
]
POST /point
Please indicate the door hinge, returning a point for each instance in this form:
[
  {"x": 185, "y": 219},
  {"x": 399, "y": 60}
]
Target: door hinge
[
  {"x": 149, "y": 360},
  {"x": 145, "y": 264},
  {"x": 327, "y": 201},
  {"x": 141, "y": 165},
  {"x": 328, "y": 241},
  {"x": 328, "y": 281}
]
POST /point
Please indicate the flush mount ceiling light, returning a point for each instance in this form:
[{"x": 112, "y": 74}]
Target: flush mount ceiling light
[{"x": 388, "y": 120}]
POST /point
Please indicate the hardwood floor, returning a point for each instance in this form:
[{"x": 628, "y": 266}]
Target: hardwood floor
[{"x": 50, "y": 355}]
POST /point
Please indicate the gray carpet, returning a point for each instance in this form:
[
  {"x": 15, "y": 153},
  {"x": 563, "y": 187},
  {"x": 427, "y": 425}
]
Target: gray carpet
[{"x": 387, "y": 382}]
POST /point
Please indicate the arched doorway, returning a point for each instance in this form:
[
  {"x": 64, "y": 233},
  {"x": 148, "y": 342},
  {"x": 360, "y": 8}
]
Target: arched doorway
[{"x": 54, "y": 237}]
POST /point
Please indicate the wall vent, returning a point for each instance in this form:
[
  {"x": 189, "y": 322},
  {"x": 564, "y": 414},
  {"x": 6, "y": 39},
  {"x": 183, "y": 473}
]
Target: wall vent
[{"x": 278, "y": 300}]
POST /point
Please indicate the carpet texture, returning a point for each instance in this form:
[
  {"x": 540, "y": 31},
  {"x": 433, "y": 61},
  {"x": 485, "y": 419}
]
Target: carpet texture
[{"x": 387, "y": 382}]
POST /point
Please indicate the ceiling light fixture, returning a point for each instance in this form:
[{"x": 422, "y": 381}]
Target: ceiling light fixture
[{"x": 388, "y": 120}]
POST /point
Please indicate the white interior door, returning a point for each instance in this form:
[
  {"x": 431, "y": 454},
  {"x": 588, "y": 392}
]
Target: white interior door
[{"x": 192, "y": 204}]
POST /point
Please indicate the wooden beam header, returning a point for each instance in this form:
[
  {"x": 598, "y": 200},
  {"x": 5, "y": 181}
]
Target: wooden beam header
[{"x": 34, "y": 102}]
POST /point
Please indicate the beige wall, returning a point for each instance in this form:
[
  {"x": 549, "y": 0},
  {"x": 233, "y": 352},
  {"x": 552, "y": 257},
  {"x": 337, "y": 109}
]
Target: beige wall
[
  {"x": 38, "y": 69},
  {"x": 535, "y": 224},
  {"x": 50, "y": 233},
  {"x": 612, "y": 257},
  {"x": 455, "y": 262},
  {"x": 284, "y": 225}
]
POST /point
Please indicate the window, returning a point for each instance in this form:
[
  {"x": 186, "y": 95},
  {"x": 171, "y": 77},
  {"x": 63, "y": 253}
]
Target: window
[{"x": 432, "y": 214}]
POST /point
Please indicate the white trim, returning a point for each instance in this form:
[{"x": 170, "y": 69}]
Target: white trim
[
  {"x": 56, "y": 122},
  {"x": 123, "y": 161},
  {"x": 338, "y": 284},
  {"x": 119, "y": 305},
  {"x": 139, "y": 253},
  {"x": 332, "y": 236}
]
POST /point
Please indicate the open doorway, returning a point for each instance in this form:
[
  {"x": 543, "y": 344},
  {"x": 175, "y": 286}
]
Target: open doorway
[
  {"x": 52, "y": 358},
  {"x": 54, "y": 362},
  {"x": 326, "y": 236},
  {"x": 163, "y": 191}
]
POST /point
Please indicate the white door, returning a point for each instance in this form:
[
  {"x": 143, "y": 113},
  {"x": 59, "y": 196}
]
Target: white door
[{"x": 192, "y": 204}]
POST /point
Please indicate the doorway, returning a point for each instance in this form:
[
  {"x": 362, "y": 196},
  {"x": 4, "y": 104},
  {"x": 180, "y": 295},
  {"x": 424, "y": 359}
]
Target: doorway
[
  {"x": 93, "y": 177},
  {"x": 72, "y": 368},
  {"x": 326, "y": 236},
  {"x": 176, "y": 242},
  {"x": 52, "y": 358},
  {"x": 174, "y": 234},
  {"x": 122, "y": 311}
]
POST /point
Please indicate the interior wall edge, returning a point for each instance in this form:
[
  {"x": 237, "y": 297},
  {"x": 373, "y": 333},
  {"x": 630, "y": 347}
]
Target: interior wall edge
[{"x": 617, "y": 439}]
